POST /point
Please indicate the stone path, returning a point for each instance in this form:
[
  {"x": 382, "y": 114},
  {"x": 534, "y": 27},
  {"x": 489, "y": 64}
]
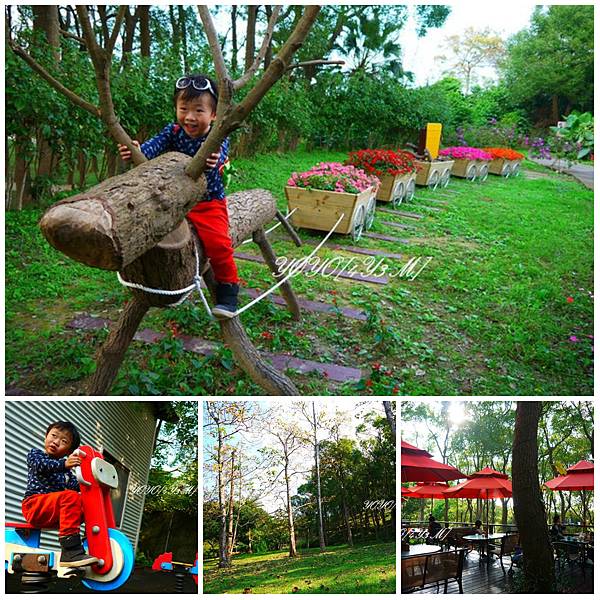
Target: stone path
[
  {"x": 338, "y": 373},
  {"x": 584, "y": 173}
]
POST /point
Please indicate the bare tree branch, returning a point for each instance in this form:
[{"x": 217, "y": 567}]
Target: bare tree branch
[
  {"x": 116, "y": 29},
  {"x": 213, "y": 41},
  {"x": 308, "y": 63},
  {"x": 245, "y": 78},
  {"x": 72, "y": 36},
  {"x": 230, "y": 117},
  {"x": 101, "y": 59}
]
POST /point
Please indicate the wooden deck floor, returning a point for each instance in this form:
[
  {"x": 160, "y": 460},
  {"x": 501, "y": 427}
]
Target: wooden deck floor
[{"x": 480, "y": 579}]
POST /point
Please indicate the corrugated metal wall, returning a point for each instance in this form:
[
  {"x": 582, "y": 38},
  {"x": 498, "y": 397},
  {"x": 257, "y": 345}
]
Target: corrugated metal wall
[{"x": 125, "y": 429}]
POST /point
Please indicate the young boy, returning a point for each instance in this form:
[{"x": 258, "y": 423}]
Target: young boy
[
  {"x": 195, "y": 100},
  {"x": 52, "y": 497}
]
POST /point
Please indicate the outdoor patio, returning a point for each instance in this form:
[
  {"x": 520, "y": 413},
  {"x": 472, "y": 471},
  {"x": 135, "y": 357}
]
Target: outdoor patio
[{"x": 479, "y": 579}]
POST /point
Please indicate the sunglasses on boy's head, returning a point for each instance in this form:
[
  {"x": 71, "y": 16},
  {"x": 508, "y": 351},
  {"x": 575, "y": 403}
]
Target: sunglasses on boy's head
[{"x": 198, "y": 83}]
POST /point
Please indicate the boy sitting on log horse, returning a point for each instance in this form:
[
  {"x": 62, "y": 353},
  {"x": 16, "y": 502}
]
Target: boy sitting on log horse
[{"x": 195, "y": 100}]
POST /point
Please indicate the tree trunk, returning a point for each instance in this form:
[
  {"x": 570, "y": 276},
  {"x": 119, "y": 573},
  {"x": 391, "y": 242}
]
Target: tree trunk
[
  {"x": 230, "y": 511},
  {"x": 389, "y": 415},
  {"x": 183, "y": 33},
  {"x": 250, "y": 36},
  {"x": 290, "y": 515},
  {"x": 144, "y": 10},
  {"x": 22, "y": 175},
  {"x": 234, "y": 40},
  {"x": 269, "y": 52},
  {"x": 538, "y": 558},
  {"x": 260, "y": 239},
  {"x": 128, "y": 35},
  {"x": 317, "y": 470},
  {"x": 110, "y": 356},
  {"x": 103, "y": 226},
  {"x": 222, "y": 507},
  {"x": 45, "y": 19}
]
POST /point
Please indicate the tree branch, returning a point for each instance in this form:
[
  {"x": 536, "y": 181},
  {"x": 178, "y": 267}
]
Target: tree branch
[
  {"x": 101, "y": 59},
  {"x": 308, "y": 63},
  {"x": 72, "y": 36},
  {"x": 245, "y": 78},
  {"x": 59, "y": 87},
  {"x": 213, "y": 41},
  {"x": 230, "y": 117},
  {"x": 115, "y": 32}
]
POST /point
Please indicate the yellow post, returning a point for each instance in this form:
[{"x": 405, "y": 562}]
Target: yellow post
[{"x": 433, "y": 137}]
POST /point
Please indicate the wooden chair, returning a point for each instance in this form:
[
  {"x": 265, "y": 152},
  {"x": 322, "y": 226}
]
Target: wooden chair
[
  {"x": 506, "y": 547},
  {"x": 420, "y": 572}
]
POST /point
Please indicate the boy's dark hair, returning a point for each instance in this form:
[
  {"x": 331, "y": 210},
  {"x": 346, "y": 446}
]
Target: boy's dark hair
[
  {"x": 67, "y": 426},
  {"x": 556, "y": 518},
  {"x": 190, "y": 92}
]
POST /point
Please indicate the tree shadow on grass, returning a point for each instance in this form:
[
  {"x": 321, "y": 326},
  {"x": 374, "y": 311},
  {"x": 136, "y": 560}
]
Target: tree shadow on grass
[{"x": 369, "y": 568}]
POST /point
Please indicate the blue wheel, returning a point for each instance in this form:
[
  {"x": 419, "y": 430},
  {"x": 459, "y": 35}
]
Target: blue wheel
[{"x": 119, "y": 543}]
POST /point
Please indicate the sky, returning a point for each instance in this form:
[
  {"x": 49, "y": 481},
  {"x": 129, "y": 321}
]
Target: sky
[
  {"x": 418, "y": 56},
  {"x": 304, "y": 458},
  {"x": 419, "y": 53}
]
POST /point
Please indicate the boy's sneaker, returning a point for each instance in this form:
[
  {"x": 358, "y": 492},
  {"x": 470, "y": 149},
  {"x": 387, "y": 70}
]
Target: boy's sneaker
[
  {"x": 227, "y": 300},
  {"x": 73, "y": 554}
]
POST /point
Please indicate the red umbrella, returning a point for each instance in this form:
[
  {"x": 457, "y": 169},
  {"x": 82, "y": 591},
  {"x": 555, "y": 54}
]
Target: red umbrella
[
  {"x": 578, "y": 477},
  {"x": 416, "y": 465},
  {"x": 484, "y": 484},
  {"x": 429, "y": 490}
]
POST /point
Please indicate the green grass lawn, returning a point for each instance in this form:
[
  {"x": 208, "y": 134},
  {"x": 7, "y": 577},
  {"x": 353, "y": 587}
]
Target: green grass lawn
[
  {"x": 491, "y": 313},
  {"x": 365, "y": 569}
]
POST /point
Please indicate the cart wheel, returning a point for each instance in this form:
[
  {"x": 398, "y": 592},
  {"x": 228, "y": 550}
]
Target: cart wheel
[
  {"x": 122, "y": 568},
  {"x": 506, "y": 170},
  {"x": 370, "y": 214},
  {"x": 516, "y": 169},
  {"x": 410, "y": 190},
  {"x": 483, "y": 173},
  {"x": 434, "y": 180},
  {"x": 445, "y": 180},
  {"x": 472, "y": 173},
  {"x": 358, "y": 223},
  {"x": 398, "y": 194}
]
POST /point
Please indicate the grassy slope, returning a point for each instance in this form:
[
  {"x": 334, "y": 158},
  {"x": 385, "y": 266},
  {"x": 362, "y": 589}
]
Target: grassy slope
[
  {"x": 369, "y": 569},
  {"x": 487, "y": 316}
]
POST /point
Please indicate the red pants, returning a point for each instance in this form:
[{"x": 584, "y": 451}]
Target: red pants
[
  {"x": 211, "y": 221},
  {"x": 62, "y": 510}
]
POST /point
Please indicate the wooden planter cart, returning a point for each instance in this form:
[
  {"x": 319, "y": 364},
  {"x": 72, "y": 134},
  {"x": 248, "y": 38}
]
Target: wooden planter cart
[
  {"x": 504, "y": 167},
  {"x": 434, "y": 173},
  {"x": 320, "y": 209},
  {"x": 470, "y": 169},
  {"x": 397, "y": 188}
]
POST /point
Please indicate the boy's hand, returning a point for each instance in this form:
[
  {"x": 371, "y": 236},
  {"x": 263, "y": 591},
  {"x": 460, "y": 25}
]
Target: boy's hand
[
  {"x": 125, "y": 152},
  {"x": 73, "y": 460},
  {"x": 211, "y": 161}
]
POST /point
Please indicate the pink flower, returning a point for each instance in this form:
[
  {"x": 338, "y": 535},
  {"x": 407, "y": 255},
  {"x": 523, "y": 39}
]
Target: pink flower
[{"x": 573, "y": 338}]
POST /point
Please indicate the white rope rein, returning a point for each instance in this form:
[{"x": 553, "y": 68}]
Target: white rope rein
[{"x": 197, "y": 285}]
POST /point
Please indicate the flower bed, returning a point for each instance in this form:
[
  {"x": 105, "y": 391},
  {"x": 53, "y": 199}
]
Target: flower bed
[
  {"x": 323, "y": 194},
  {"x": 395, "y": 168},
  {"x": 506, "y": 162},
  {"x": 469, "y": 162}
]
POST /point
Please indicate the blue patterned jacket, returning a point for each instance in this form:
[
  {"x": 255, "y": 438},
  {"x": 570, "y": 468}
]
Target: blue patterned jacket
[
  {"x": 46, "y": 475},
  {"x": 174, "y": 139}
]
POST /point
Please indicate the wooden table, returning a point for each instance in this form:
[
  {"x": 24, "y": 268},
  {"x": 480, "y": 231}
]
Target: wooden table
[
  {"x": 420, "y": 550},
  {"x": 479, "y": 538}
]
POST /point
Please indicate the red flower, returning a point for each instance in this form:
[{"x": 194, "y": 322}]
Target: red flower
[
  {"x": 382, "y": 161},
  {"x": 266, "y": 335},
  {"x": 368, "y": 383},
  {"x": 376, "y": 366},
  {"x": 569, "y": 299},
  {"x": 395, "y": 390}
]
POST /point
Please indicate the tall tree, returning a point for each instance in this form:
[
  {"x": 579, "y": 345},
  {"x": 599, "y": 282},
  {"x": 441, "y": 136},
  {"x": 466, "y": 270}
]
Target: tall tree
[
  {"x": 550, "y": 66},
  {"x": 314, "y": 424},
  {"x": 471, "y": 51},
  {"x": 538, "y": 557}
]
